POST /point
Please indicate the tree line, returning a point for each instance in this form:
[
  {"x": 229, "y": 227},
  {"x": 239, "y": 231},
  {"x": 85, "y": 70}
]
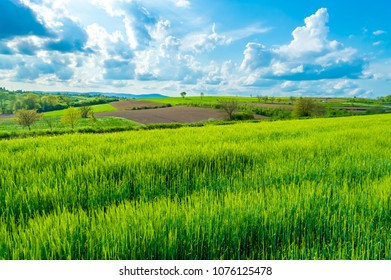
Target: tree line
[{"x": 11, "y": 102}]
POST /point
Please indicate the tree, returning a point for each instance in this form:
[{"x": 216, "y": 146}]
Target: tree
[
  {"x": 183, "y": 94},
  {"x": 66, "y": 99},
  {"x": 30, "y": 101},
  {"x": 202, "y": 95},
  {"x": 3, "y": 100},
  {"x": 230, "y": 107},
  {"x": 27, "y": 117},
  {"x": 265, "y": 98},
  {"x": 71, "y": 117},
  {"x": 49, "y": 102},
  {"x": 308, "y": 107},
  {"x": 86, "y": 111}
]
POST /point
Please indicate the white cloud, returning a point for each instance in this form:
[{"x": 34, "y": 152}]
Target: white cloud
[
  {"x": 256, "y": 56},
  {"x": 204, "y": 42},
  {"x": 164, "y": 62},
  {"x": 379, "y": 32},
  {"x": 182, "y": 3},
  {"x": 309, "y": 56},
  {"x": 245, "y": 32},
  {"x": 112, "y": 7},
  {"x": 311, "y": 38}
]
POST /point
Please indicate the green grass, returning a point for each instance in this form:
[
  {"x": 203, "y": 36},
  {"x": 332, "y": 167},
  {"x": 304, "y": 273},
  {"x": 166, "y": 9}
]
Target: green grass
[
  {"x": 10, "y": 125},
  {"x": 301, "y": 189},
  {"x": 96, "y": 108}
]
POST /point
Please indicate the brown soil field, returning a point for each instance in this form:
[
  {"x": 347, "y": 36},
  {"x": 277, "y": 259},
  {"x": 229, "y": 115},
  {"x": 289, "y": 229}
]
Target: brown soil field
[
  {"x": 179, "y": 114},
  {"x": 130, "y": 104}
]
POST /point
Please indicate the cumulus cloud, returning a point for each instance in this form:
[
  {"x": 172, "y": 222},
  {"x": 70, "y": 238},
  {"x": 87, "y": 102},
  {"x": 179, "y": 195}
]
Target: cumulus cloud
[
  {"x": 164, "y": 62},
  {"x": 182, "y": 3},
  {"x": 309, "y": 56},
  {"x": 112, "y": 55},
  {"x": 32, "y": 68},
  {"x": 19, "y": 20},
  {"x": 311, "y": 38},
  {"x": 71, "y": 38},
  {"x": 256, "y": 56},
  {"x": 203, "y": 42}
]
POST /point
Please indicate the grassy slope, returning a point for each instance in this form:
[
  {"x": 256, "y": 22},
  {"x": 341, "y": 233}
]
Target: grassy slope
[
  {"x": 10, "y": 125},
  {"x": 96, "y": 108},
  {"x": 309, "y": 189}
]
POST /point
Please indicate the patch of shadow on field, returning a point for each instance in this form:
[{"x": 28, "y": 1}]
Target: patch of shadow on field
[
  {"x": 178, "y": 114},
  {"x": 131, "y": 104}
]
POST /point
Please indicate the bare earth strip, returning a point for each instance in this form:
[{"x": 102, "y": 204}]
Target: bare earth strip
[
  {"x": 129, "y": 104},
  {"x": 178, "y": 114}
]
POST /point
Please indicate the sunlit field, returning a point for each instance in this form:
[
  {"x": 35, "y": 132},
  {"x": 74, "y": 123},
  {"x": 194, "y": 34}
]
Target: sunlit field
[{"x": 301, "y": 189}]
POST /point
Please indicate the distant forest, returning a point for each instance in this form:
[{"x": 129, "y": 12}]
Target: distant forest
[{"x": 12, "y": 101}]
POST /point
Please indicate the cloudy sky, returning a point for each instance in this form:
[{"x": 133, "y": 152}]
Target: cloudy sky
[{"x": 224, "y": 47}]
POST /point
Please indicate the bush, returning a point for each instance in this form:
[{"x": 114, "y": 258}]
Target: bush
[
  {"x": 242, "y": 116},
  {"x": 308, "y": 107},
  {"x": 86, "y": 111}
]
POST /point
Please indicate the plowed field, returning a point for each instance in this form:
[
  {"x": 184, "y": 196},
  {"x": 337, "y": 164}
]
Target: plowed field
[{"x": 178, "y": 114}]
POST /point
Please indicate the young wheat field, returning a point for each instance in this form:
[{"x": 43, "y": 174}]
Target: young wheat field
[{"x": 302, "y": 189}]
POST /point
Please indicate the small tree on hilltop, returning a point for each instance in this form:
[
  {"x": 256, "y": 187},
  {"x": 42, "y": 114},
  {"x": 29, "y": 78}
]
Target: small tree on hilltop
[
  {"x": 230, "y": 107},
  {"x": 71, "y": 117},
  {"x": 183, "y": 94},
  {"x": 308, "y": 107},
  {"x": 202, "y": 95},
  {"x": 27, "y": 117}
]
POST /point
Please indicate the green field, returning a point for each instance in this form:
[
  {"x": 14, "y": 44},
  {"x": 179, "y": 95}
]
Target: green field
[
  {"x": 96, "y": 108},
  {"x": 10, "y": 125},
  {"x": 300, "y": 189}
]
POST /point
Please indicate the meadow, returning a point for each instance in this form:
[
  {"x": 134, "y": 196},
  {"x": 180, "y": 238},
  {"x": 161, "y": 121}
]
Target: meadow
[{"x": 297, "y": 189}]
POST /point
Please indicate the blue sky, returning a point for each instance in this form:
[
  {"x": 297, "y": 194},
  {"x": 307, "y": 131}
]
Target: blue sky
[{"x": 221, "y": 47}]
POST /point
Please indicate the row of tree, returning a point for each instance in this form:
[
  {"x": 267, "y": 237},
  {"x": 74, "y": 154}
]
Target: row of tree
[
  {"x": 11, "y": 102},
  {"x": 71, "y": 117},
  {"x": 304, "y": 107}
]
